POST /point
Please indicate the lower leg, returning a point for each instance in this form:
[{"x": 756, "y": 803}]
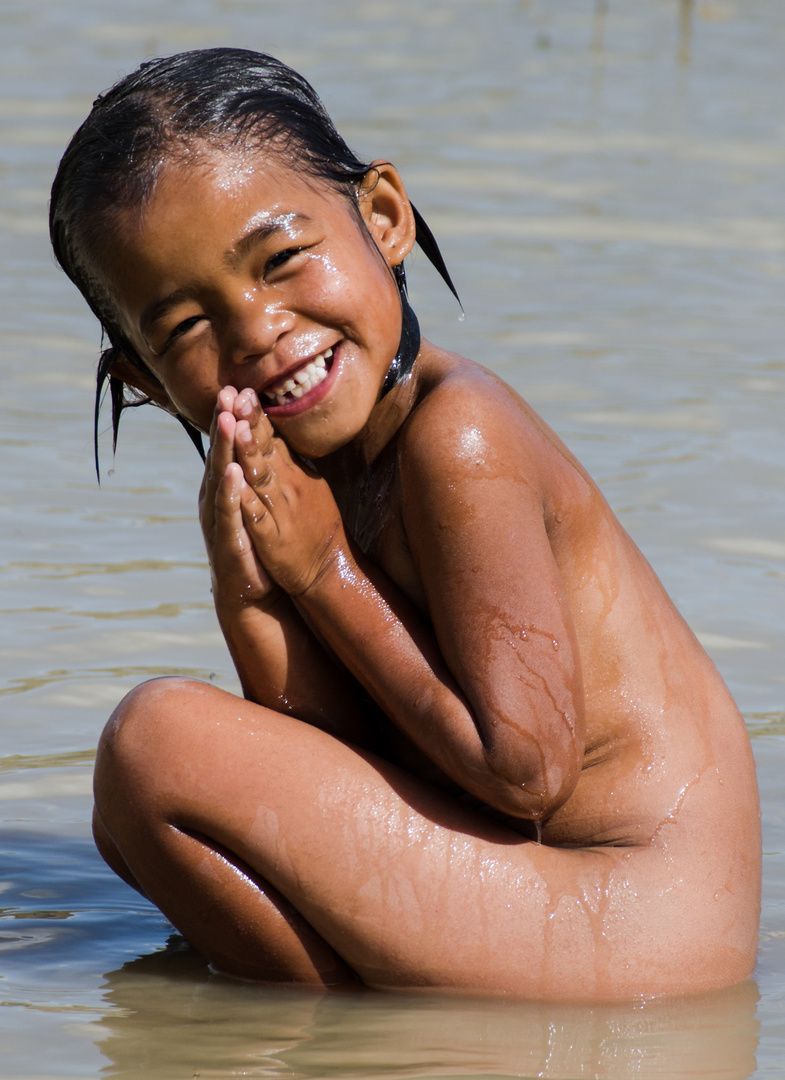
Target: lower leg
[
  {"x": 228, "y": 912},
  {"x": 238, "y": 921},
  {"x": 110, "y": 854}
]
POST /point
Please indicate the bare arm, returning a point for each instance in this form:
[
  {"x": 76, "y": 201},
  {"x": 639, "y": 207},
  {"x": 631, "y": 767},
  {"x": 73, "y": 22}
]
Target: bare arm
[
  {"x": 503, "y": 718},
  {"x": 278, "y": 658}
]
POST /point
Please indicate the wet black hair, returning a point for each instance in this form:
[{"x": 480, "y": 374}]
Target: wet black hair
[{"x": 232, "y": 98}]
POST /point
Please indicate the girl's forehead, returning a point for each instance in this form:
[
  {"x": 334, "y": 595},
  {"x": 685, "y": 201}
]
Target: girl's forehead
[
  {"x": 207, "y": 211},
  {"x": 225, "y": 195},
  {"x": 200, "y": 170}
]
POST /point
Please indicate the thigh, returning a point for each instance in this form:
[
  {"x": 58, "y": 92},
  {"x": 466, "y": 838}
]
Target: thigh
[{"x": 407, "y": 886}]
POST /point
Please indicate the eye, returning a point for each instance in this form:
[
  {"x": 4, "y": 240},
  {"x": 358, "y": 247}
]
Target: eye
[
  {"x": 180, "y": 329},
  {"x": 281, "y": 258}
]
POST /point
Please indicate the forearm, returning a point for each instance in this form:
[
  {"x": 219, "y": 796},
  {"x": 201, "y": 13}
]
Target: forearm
[
  {"x": 510, "y": 743},
  {"x": 394, "y": 654},
  {"x": 282, "y": 665}
]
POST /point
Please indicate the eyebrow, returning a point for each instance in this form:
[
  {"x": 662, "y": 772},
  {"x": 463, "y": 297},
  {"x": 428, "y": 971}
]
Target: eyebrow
[
  {"x": 260, "y": 233},
  {"x": 157, "y": 310},
  {"x": 257, "y": 235}
]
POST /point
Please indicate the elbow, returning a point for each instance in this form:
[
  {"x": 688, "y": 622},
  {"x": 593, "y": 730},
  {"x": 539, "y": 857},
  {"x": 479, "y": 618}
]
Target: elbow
[
  {"x": 534, "y": 754},
  {"x": 533, "y": 801},
  {"x": 536, "y": 788}
]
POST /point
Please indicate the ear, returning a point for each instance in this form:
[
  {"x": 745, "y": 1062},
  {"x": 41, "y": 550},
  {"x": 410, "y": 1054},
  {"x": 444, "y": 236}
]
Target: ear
[
  {"x": 132, "y": 375},
  {"x": 387, "y": 212}
]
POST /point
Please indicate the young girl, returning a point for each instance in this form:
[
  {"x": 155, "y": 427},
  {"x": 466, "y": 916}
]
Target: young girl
[{"x": 478, "y": 749}]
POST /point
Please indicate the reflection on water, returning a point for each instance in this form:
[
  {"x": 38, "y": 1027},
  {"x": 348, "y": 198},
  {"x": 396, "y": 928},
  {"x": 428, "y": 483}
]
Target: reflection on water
[
  {"x": 164, "y": 1015},
  {"x": 167, "y": 1001},
  {"x": 605, "y": 178}
]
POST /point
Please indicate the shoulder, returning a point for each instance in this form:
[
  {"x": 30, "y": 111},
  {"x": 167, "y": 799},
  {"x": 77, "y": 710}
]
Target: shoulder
[{"x": 469, "y": 422}]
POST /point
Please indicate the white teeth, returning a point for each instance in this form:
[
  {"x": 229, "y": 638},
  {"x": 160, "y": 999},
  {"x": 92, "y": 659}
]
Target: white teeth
[{"x": 300, "y": 382}]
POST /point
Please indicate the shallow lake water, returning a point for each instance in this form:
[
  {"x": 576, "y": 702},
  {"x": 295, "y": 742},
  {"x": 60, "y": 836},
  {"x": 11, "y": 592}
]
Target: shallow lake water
[{"x": 606, "y": 180}]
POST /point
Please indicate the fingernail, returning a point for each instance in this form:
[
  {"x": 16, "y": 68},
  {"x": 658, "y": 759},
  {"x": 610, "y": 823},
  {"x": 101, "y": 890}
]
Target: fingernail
[{"x": 248, "y": 402}]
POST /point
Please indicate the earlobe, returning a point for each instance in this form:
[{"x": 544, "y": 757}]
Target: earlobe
[
  {"x": 387, "y": 212},
  {"x": 121, "y": 368}
]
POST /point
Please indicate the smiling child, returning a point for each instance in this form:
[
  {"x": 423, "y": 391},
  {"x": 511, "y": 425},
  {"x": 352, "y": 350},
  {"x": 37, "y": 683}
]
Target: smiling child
[{"x": 478, "y": 748}]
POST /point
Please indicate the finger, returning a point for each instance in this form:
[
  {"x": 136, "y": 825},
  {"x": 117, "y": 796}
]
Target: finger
[
  {"x": 255, "y": 450},
  {"x": 269, "y": 441},
  {"x": 220, "y": 456},
  {"x": 260, "y": 491},
  {"x": 247, "y": 406},
  {"x": 226, "y": 397},
  {"x": 221, "y": 450},
  {"x": 222, "y": 446},
  {"x": 238, "y": 575},
  {"x": 223, "y": 403},
  {"x": 230, "y": 534},
  {"x": 257, "y": 507}
]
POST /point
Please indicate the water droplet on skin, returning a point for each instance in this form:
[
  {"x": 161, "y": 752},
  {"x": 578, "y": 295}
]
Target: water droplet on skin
[{"x": 555, "y": 644}]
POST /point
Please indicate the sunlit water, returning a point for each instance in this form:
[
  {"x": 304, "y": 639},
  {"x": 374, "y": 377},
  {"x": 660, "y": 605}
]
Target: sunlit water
[{"x": 606, "y": 180}]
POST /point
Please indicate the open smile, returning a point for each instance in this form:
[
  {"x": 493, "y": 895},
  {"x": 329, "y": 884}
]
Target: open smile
[
  {"x": 300, "y": 382},
  {"x": 300, "y": 390}
]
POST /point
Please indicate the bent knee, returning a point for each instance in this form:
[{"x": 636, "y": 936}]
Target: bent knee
[
  {"x": 145, "y": 734},
  {"x": 149, "y": 712}
]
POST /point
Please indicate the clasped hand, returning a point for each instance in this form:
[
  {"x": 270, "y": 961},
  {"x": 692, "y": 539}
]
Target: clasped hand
[{"x": 269, "y": 519}]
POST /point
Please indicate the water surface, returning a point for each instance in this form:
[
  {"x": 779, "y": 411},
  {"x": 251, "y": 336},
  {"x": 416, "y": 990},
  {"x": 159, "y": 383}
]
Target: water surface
[{"x": 606, "y": 180}]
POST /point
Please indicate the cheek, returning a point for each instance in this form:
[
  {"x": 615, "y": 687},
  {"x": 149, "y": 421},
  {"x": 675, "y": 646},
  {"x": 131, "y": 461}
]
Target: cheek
[
  {"x": 193, "y": 389},
  {"x": 356, "y": 291}
]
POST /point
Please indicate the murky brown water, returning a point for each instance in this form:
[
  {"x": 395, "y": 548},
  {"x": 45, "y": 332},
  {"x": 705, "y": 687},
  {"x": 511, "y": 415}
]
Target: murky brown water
[{"x": 606, "y": 180}]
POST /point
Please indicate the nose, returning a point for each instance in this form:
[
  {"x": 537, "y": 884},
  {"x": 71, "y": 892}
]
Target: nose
[{"x": 255, "y": 326}]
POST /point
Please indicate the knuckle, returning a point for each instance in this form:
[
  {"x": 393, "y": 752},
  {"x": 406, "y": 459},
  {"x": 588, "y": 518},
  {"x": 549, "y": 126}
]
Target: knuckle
[{"x": 260, "y": 475}]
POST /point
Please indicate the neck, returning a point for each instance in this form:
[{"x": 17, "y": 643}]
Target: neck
[
  {"x": 348, "y": 465},
  {"x": 409, "y": 345}
]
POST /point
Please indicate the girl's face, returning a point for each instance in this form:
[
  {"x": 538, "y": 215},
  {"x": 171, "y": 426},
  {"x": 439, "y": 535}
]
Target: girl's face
[{"x": 248, "y": 275}]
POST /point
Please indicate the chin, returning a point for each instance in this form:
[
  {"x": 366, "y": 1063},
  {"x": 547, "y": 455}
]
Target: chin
[
  {"x": 315, "y": 448},
  {"x": 318, "y": 439}
]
